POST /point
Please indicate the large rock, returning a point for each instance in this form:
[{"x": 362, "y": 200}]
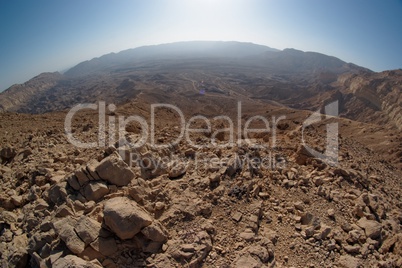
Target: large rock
[
  {"x": 105, "y": 246},
  {"x": 371, "y": 228},
  {"x": 392, "y": 243},
  {"x": 246, "y": 261},
  {"x": 124, "y": 217},
  {"x": 155, "y": 232},
  {"x": 303, "y": 155},
  {"x": 73, "y": 261},
  {"x": 65, "y": 229},
  {"x": 7, "y": 154},
  {"x": 177, "y": 169},
  {"x": 114, "y": 170},
  {"x": 95, "y": 190},
  {"x": 19, "y": 255},
  {"x": 347, "y": 261},
  {"x": 58, "y": 193},
  {"x": 88, "y": 229}
]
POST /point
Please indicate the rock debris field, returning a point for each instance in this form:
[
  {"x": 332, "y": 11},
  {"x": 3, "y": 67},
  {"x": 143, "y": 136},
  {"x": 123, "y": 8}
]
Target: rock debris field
[{"x": 61, "y": 206}]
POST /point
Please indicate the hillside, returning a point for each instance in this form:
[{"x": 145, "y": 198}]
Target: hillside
[{"x": 254, "y": 157}]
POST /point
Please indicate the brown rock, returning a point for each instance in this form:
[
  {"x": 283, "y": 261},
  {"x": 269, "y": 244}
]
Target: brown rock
[
  {"x": 88, "y": 229},
  {"x": 347, "y": 261},
  {"x": 325, "y": 231},
  {"x": 355, "y": 249},
  {"x": 371, "y": 228},
  {"x": 331, "y": 213},
  {"x": 114, "y": 170},
  {"x": 394, "y": 243},
  {"x": 247, "y": 235},
  {"x": 81, "y": 177},
  {"x": 73, "y": 261},
  {"x": 58, "y": 193},
  {"x": 124, "y": 217},
  {"x": 176, "y": 170},
  {"x": 65, "y": 229},
  {"x": 246, "y": 261},
  {"x": 64, "y": 211},
  {"x": 105, "y": 246},
  {"x": 236, "y": 216},
  {"x": 7, "y": 153},
  {"x": 155, "y": 232},
  {"x": 95, "y": 190},
  {"x": 138, "y": 193},
  {"x": 73, "y": 182},
  {"x": 302, "y": 155}
]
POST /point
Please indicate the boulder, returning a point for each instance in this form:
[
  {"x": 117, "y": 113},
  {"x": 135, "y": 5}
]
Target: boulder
[
  {"x": 303, "y": 155},
  {"x": 73, "y": 182},
  {"x": 58, "y": 193},
  {"x": 106, "y": 246},
  {"x": 73, "y": 261},
  {"x": 19, "y": 254},
  {"x": 88, "y": 229},
  {"x": 81, "y": 177},
  {"x": 7, "y": 154},
  {"x": 347, "y": 261},
  {"x": 392, "y": 243},
  {"x": 124, "y": 217},
  {"x": 176, "y": 170},
  {"x": 95, "y": 190},
  {"x": 246, "y": 261},
  {"x": 371, "y": 228},
  {"x": 65, "y": 229},
  {"x": 115, "y": 171},
  {"x": 155, "y": 232}
]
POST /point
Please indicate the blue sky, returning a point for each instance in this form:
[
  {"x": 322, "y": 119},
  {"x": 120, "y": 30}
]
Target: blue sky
[{"x": 44, "y": 35}]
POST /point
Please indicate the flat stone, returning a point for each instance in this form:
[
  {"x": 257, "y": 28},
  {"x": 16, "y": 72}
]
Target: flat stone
[
  {"x": 64, "y": 228},
  {"x": 299, "y": 206},
  {"x": 247, "y": 235},
  {"x": 331, "y": 213},
  {"x": 371, "y": 228},
  {"x": 115, "y": 171},
  {"x": 88, "y": 229},
  {"x": 155, "y": 232},
  {"x": 237, "y": 216},
  {"x": 105, "y": 246},
  {"x": 124, "y": 217},
  {"x": 73, "y": 261},
  {"x": 355, "y": 249},
  {"x": 347, "y": 261},
  {"x": 95, "y": 190},
  {"x": 187, "y": 248},
  {"x": 246, "y": 261}
]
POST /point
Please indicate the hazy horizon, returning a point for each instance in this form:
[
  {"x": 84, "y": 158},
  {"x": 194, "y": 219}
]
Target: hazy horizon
[{"x": 52, "y": 36}]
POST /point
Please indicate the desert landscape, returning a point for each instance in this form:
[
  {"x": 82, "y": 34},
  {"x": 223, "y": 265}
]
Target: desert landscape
[{"x": 203, "y": 154}]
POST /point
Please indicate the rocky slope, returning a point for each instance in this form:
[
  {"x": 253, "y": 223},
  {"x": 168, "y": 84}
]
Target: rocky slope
[
  {"x": 301, "y": 80},
  {"x": 18, "y": 97},
  {"x": 64, "y": 206},
  {"x": 243, "y": 69},
  {"x": 374, "y": 98},
  {"x": 266, "y": 201}
]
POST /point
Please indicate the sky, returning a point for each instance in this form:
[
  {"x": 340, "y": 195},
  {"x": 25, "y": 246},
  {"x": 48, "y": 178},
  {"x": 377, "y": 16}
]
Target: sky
[{"x": 47, "y": 35}]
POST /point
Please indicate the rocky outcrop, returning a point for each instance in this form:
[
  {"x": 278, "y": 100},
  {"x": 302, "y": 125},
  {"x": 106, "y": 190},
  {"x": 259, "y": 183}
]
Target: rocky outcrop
[
  {"x": 174, "y": 207},
  {"x": 20, "y": 96},
  {"x": 376, "y": 97}
]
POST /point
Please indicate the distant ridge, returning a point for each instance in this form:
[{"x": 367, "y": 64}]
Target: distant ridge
[
  {"x": 190, "y": 49},
  {"x": 231, "y": 70}
]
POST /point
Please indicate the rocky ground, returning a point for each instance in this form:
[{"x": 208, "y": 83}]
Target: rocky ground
[{"x": 62, "y": 206}]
